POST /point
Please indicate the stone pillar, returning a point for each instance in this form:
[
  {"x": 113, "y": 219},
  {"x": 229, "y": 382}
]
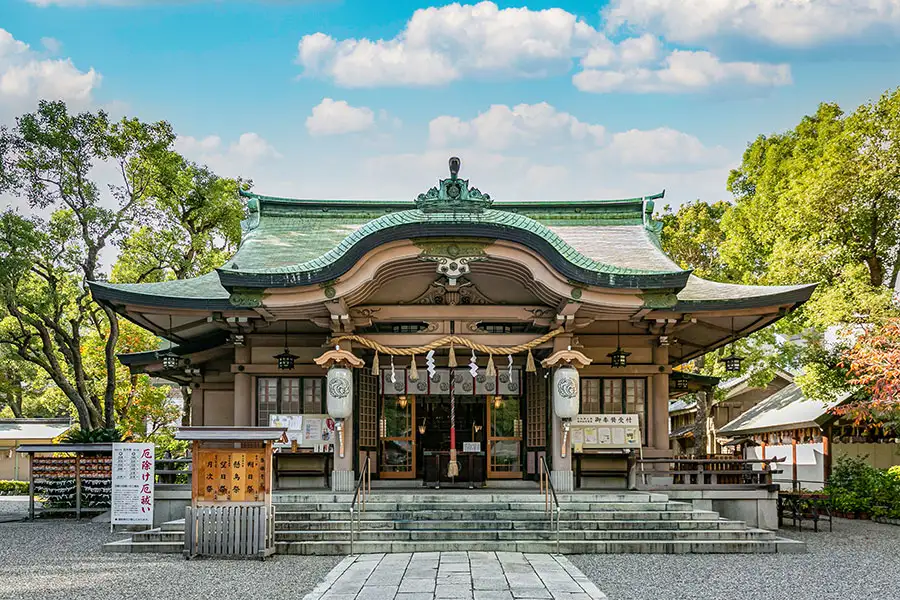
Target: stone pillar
[
  {"x": 343, "y": 479},
  {"x": 243, "y": 391},
  {"x": 560, "y": 468},
  {"x": 659, "y": 402}
]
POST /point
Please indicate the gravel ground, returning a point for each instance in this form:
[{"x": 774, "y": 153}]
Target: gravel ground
[
  {"x": 860, "y": 560},
  {"x": 13, "y": 507},
  {"x": 62, "y": 559}
]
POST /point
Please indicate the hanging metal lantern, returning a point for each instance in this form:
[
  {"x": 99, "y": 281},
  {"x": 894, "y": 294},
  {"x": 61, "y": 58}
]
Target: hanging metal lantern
[
  {"x": 339, "y": 392},
  {"x": 566, "y": 392},
  {"x": 681, "y": 382},
  {"x": 732, "y": 363},
  {"x": 170, "y": 360},
  {"x": 286, "y": 360},
  {"x": 619, "y": 358}
]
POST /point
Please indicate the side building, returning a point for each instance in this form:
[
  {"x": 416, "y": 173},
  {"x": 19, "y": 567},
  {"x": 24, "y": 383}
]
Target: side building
[{"x": 517, "y": 284}]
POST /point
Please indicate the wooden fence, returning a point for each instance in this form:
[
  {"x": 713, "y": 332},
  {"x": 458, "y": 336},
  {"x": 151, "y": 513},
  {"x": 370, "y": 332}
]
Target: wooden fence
[
  {"x": 707, "y": 473},
  {"x": 230, "y": 531}
]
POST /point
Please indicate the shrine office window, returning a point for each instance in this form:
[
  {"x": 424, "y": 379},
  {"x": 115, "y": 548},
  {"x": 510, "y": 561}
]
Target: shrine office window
[
  {"x": 288, "y": 396},
  {"x": 615, "y": 396}
]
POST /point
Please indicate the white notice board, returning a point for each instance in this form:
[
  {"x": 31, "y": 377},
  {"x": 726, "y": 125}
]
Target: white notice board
[
  {"x": 605, "y": 431},
  {"x": 133, "y": 472},
  {"x": 315, "y": 432}
]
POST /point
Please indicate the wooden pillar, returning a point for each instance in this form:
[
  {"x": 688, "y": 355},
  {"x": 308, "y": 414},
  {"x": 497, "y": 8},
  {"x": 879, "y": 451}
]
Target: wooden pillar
[
  {"x": 659, "y": 403},
  {"x": 197, "y": 417},
  {"x": 243, "y": 391},
  {"x": 795, "y": 484},
  {"x": 826, "y": 453}
]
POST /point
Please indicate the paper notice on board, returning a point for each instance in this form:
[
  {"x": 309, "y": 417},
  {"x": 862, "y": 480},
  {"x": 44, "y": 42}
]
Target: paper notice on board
[
  {"x": 577, "y": 436},
  {"x": 618, "y": 436},
  {"x": 590, "y": 435},
  {"x": 603, "y": 436},
  {"x": 631, "y": 436},
  {"x": 312, "y": 430}
]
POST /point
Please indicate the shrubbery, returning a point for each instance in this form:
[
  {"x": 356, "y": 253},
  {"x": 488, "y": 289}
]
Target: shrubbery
[
  {"x": 857, "y": 488},
  {"x": 13, "y": 488}
]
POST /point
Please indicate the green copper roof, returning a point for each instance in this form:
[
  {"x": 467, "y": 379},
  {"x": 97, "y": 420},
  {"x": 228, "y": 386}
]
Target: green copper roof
[{"x": 418, "y": 223}]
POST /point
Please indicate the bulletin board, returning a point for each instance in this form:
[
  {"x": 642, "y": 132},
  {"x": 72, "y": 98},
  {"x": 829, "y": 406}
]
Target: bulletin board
[
  {"x": 310, "y": 431},
  {"x": 594, "y": 432}
]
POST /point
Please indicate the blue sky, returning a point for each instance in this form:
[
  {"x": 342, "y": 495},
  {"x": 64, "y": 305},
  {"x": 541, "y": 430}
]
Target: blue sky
[{"x": 561, "y": 100}]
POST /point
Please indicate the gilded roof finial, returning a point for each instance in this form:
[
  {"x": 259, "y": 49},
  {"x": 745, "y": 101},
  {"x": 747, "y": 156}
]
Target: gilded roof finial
[{"x": 454, "y": 167}]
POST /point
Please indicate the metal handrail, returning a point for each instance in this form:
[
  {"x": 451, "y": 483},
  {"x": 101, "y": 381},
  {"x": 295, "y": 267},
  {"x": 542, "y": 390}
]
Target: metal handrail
[
  {"x": 364, "y": 481},
  {"x": 549, "y": 491}
]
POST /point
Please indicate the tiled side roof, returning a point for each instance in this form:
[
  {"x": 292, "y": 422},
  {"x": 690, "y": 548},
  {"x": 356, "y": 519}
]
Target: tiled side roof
[{"x": 785, "y": 409}]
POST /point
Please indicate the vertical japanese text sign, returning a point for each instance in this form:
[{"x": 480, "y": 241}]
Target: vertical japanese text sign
[{"x": 133, "y": 470}]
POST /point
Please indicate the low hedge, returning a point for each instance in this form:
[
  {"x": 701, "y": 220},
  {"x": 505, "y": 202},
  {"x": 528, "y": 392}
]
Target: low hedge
[
  {"x": 857, "y": 488},
  {"x": 13, "y": 488}
]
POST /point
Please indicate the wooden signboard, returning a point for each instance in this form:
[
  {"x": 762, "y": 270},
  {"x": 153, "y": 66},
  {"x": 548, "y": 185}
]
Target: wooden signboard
[{"x": 238, "y": 475}]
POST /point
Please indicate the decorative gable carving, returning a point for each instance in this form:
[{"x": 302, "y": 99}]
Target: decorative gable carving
[{"x": 441, "y": 292}]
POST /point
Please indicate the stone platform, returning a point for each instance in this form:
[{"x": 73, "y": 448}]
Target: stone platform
[{"x": 406, "y": 521}]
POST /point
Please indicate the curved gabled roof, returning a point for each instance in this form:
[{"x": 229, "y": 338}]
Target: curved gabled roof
[{"x": 487, "y": 223}]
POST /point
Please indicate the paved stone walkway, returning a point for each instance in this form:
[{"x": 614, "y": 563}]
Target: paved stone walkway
[{"x": 455, "y": 576}]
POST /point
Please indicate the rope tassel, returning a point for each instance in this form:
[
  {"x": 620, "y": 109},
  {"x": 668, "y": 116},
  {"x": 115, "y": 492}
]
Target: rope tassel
[
  {"x": 491, "y": 370},
  {"x": 529, "y": 364},
  {"x": 375, "y": 366},
  {"x": 413, "y": 372},
  {"x": 451, "y": 361}
]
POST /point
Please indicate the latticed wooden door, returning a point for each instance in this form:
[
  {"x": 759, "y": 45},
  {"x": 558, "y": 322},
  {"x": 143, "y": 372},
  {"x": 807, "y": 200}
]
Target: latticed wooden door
[
  {"x": 536, "y": 419},
  {"x": 367, "y": 421}
]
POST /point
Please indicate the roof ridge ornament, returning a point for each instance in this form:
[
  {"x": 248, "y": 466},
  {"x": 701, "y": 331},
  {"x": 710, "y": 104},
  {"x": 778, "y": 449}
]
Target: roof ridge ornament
[{"x": 453, "y": 194}]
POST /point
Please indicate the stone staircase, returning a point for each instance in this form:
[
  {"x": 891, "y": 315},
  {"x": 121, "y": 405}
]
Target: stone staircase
[{"x": 492, "y": 520}]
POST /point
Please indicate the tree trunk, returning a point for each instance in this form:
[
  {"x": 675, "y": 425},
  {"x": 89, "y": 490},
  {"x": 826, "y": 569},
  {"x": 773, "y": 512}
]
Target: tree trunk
[
  {"x": 14, "y": 400},
  {"x": 186, "y": 405},
  {"x": 700, "y": 424}
]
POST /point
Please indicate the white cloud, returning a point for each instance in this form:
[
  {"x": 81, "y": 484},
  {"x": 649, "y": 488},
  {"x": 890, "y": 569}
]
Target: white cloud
[
  {"x": 26, "y": 76},
  {"x": 247, "y": 152},
  {"x": 334, "y": 117},
  {"x": 795, "y": 23},
  {"x": 440, "y": 45},
  {"x": 682, "y": 71},
  {"x": 654, "y": 148},
  {"x": 522, "y": 125}
]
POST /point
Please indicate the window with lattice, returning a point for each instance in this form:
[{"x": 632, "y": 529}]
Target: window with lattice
[
  {"x": 536, "y": 410},
  {"x": 368, "y": 407}
]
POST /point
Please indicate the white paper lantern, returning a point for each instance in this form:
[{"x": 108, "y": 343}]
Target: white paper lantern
[
  {"x": 339, "y": 392},
  {"x": 565, "y": 392}
]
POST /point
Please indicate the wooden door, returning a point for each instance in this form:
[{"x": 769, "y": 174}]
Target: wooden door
[
  {"x": 397, "y": 439},
  {"x": 504, "y": 435}
]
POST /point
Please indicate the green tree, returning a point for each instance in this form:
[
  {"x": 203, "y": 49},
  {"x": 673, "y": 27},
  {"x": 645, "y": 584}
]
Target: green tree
[
  {"x": 193, "y": 225},
  {"x": 692, "y": 237},
  {"x": 50, "y": 158}
]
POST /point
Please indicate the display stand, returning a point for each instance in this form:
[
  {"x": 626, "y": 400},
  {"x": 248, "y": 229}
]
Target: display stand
[
  {"x": 231, "y": 512},
  {"x": 71, "y": 478}
]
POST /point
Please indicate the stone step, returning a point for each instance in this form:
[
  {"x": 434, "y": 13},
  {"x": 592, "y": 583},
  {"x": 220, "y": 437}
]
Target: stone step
[
  {"x": 444, "y": 535},
  {"x": 155, "y": 535},
  {"x": 380, "y": 506},
  {"x": 130, "y": 546},
  {"x": 456, "y": 497},
  {"x": 176, "y": 525},
  {"x": 610, "y": 525},
  {"x": 494, "y": 515},
  {"x": 547, "y": 546}
]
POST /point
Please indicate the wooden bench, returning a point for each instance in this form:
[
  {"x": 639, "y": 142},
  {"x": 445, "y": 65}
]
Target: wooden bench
[
  {"x": 302, "y": 464},
  {"x": 800, "y": 506}
]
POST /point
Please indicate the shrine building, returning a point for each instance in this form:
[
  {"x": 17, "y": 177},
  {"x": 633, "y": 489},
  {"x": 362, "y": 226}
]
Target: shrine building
[{"x": 452, "y": 318}]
